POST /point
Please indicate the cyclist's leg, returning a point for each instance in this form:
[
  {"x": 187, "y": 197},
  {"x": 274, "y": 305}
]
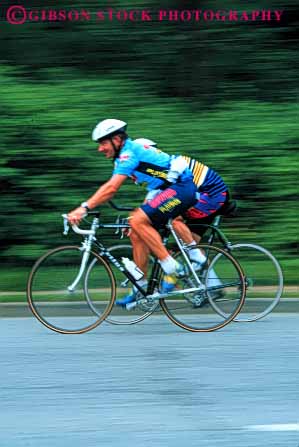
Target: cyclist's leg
[
  {"x": 144, "y": 231},
  {"x": 140, "y": 252},
  {"x": 184, "y": 233},
  {"x": 182, "y": 230},
  {"x": 141, "y": 258},
  {"x": 170, "y": 203},
  {"x": 144, "y": 236}
]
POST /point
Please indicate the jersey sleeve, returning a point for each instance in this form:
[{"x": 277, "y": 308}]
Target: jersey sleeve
[{"x": 125, "y": 163}]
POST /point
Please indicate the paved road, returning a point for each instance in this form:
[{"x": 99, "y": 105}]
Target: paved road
[{"x": 151, "y": 384}]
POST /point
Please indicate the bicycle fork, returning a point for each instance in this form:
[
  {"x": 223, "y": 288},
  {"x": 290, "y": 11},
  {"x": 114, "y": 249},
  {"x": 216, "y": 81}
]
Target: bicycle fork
[{"x": 85, "y": 257}]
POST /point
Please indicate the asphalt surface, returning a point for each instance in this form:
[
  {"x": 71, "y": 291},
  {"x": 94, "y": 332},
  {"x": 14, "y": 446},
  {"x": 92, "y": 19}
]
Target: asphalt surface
[{"x": 151, "y": 384}]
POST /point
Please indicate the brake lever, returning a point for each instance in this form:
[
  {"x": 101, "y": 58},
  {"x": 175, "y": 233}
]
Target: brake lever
[
  {"x": 65, "y": 224},
  {"x": 117, "y": 223}
]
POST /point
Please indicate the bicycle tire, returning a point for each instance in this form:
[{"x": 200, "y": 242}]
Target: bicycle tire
[
  {"x": 206, "y": 318},
  {"x": 117, "y": 315},
  {"x": 264, "y": 280},
  {"x": 49, "y": 296}
]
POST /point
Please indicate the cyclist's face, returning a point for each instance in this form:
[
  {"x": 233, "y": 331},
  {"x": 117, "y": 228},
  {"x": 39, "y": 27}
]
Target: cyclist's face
[{"x": 106, "y": 148}]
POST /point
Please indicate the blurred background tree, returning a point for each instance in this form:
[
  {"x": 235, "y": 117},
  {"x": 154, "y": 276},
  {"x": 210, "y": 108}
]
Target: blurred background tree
[{"x": 223, "y": 92}]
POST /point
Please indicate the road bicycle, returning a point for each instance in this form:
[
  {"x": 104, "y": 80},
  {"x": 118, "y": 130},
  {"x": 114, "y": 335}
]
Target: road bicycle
[
  {"x": 69, "y": 298},
  {"x": 264, "y": 277}
]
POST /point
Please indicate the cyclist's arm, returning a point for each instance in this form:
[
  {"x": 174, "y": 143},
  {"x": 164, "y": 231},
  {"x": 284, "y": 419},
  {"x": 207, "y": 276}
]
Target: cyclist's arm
[
  {"x": 102, "y": 195},
  {"x": 106, "y": 191}
]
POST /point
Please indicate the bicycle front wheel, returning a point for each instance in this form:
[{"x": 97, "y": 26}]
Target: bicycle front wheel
[
  {"x": 119, "y": 315},
  {"x": 55, "y": 291},
  {"x": 264, "y": 281},
  {"x": 223, "y": 287}
]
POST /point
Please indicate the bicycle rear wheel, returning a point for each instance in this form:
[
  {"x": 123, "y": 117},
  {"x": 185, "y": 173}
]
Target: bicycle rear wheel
[
  {"x": 264, "y": 281},
  {"x": 118, "y": 315},
  {"x": 224, "y": 288},
  {"x": 57, "y": 303}
]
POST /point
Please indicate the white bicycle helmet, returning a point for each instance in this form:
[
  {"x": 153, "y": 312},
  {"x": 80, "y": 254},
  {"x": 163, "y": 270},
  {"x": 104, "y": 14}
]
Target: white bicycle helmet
[
  {"x": 145, "y": 142},
  {"x": 107, "y": 128}
]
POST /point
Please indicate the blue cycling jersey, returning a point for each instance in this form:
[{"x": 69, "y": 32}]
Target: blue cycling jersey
[{"x": 148, "y": 166}]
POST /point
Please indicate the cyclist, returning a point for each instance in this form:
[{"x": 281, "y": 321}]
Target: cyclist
[{"x": 149, "y": 166}]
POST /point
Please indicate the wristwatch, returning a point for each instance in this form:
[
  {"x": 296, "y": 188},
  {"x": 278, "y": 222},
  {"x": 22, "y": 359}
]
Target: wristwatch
[{"x": 85, "y": 205}]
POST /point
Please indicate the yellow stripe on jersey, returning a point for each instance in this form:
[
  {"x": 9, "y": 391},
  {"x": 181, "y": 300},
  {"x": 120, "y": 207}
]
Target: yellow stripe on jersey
[{"x": 199, "y": 170}]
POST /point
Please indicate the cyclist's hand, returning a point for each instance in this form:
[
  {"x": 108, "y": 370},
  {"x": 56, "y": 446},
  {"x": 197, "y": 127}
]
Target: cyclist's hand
[
  {"x": 126, "y": 232},
  {"x": 75, "y": 216}
]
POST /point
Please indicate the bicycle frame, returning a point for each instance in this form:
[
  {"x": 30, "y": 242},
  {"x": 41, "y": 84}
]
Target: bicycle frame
[{"x": 149, "y": 293}]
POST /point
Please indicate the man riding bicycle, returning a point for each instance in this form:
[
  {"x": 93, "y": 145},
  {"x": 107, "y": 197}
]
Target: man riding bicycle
[{"x": 149, "y": 166}]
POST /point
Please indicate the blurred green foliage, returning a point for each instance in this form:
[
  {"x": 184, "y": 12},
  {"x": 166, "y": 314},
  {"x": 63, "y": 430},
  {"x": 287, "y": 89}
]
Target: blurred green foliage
[{"x": 223, "y": 92}]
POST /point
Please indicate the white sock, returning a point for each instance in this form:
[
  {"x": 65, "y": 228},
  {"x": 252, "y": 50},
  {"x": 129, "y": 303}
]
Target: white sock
[
  {"x": 169, "y": 265},
  {"x": 195, "y": 254}
]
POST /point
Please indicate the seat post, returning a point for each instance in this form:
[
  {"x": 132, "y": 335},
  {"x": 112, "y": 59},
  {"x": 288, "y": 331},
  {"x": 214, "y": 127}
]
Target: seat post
[{"x": 216, "y": 221}]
